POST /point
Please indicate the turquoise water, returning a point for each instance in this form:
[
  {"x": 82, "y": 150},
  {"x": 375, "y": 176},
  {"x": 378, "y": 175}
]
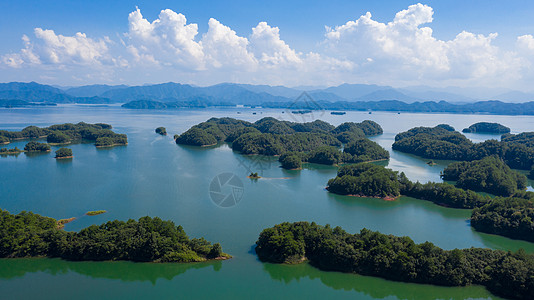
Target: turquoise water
[{"x": 154, "y": 176}]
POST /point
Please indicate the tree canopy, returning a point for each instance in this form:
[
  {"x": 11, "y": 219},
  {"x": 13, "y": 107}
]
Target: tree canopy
[
  {"x": 489, "y": 174},
  {"x": 517, "y": 151},
  {"x": 397, "y": 258},
  {"x": 487, "y": 127},
  {"x": 67, "y": 133},
  {"x": 146, "y": 240}
]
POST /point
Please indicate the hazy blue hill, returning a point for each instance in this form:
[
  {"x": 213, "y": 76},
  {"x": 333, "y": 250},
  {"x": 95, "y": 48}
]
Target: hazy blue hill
[
  {"x": 388, "y": 94},
  {"x": 273, "y": 90},
  {"x": 92, "y": 90},
  {"x": 153, "y": 92},
  {"x": 354, "y": 91},
  {"x": 325, "y": 96},
  {"x": 238, "y": 95},
  {"x": 436, "y": 95},
  {"x": 515, "y": 96},
  {"x": 33, "y": 92}
]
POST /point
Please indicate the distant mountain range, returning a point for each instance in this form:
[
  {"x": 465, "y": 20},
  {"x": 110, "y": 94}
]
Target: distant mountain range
[{"x": 246, "y": 94}]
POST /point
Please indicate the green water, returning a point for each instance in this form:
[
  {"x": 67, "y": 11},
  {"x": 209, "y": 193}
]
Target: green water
[{"x": 154, "y": 176}]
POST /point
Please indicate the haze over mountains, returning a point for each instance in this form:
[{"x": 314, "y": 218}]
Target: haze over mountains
[{"x": 246, "y": 94}]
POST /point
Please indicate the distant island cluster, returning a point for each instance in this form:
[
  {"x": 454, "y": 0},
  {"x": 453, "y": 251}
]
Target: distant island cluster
[{"x": 62, "y": 134}]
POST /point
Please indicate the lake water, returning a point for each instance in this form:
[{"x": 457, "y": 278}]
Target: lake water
[{"x": 154, "y": 176}]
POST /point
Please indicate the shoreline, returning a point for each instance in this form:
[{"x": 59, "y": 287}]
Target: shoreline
[{"x": 64, "y": 157}]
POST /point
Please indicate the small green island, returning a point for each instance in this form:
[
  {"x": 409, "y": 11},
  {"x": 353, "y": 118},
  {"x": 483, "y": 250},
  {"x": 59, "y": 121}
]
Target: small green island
[
  {"x": 371, "y": 253},
  {"x": 95, "y": 212},
  {"x": 145, "y": 240},
  {"x": 486, "y": 127},
  {"x": 64, "y": 153},
  {"x": 313, "y": 142},
  {"x": 62, "y": 134},
  {"x": 34, "y": 146},
  {"x": 161, "y": 130},
  {"x": 10, "y": 151}
]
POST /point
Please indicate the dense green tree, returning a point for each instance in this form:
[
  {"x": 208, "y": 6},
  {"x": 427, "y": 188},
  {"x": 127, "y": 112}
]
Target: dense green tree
[
  {"x": 365, "y": 150},
  {"x": 196, "y": 137},
  {"x": 397, "y": 258},
  {"x": 512, "y": 217},
  {"x": 63, "y": 152},
  {"x": 4, "y": 140},
  {"x": 68, "y": 132},
  {"x": 517, "y": 151},
  {"x": 487, "y": 127},
  {"x": 146, "y": 240},
  {"x": 161, "y": 130},
  {"x": 489, "y": 174},
  {"x": 58, "y": 137},
  {"x": 34, "y": 132},
  {"x": 6, "y": 151},
  {"x": 365, "y": 179},
  {"x": 36, "y": 147},
  {"x": 290, "y": 160}
]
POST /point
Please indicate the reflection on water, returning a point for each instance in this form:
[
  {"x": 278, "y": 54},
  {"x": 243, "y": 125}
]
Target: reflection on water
[
  {"x": 374, "y": 287},
  {"x": 121, "y": 270}
]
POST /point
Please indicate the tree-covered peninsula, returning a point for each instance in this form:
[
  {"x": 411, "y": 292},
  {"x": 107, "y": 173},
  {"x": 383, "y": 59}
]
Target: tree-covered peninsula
[
  {"x": 369, "y": 180},
  {"x": 372, "y": 253},
  {"x": 487, "y": 127},
  {"x": 489, "y": 175},
  {"x": 100, "y": 134},
  {"x": 316, "y": 142},
  {"x": 146, "y": 240},
  {"x": 512, "y": 216},
  {"x": 517, "y": 151}
]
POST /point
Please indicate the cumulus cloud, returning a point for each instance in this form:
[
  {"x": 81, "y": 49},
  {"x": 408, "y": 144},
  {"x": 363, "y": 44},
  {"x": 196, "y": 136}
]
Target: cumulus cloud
[
  {"x": 51, "y": 48},
  {"x": 408, "y": 50},
  {"x": 167, "y": 40},
  {"x": 223, "y": 47},
  {"x": 402, "y": 51}
]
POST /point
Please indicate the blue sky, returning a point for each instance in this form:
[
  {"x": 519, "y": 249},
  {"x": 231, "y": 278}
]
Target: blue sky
[{"x": 353, "y": 55}]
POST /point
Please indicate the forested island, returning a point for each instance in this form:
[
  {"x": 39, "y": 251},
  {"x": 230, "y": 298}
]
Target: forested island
[
  {"x": 372, "y": 253},
  {"x": 10, "y": 151},
  {"x": 161, "y": 130},
  {"x": 486, "y": 127},
  {"x": 100, "y": 134},
  {"x": 315, "y": 142},
  {"x": 517, "y": 151},
  {"x": 63, "y": 153},
  {"x": 146, "y": 240},
  {"x": 36, "y": 147},
  {"x": 512, "y": 216},
  {"x": 489, "y": 175}
]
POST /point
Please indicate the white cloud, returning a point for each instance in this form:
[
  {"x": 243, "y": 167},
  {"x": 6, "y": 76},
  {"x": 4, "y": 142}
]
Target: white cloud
[
  {"x": 51, "y": 48},
  {"x": 402, "y": 51},
  {"x": 223, "y": 47},
  {"x": 167, "y": 40},
  {"x": 269, "y": 48}
]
